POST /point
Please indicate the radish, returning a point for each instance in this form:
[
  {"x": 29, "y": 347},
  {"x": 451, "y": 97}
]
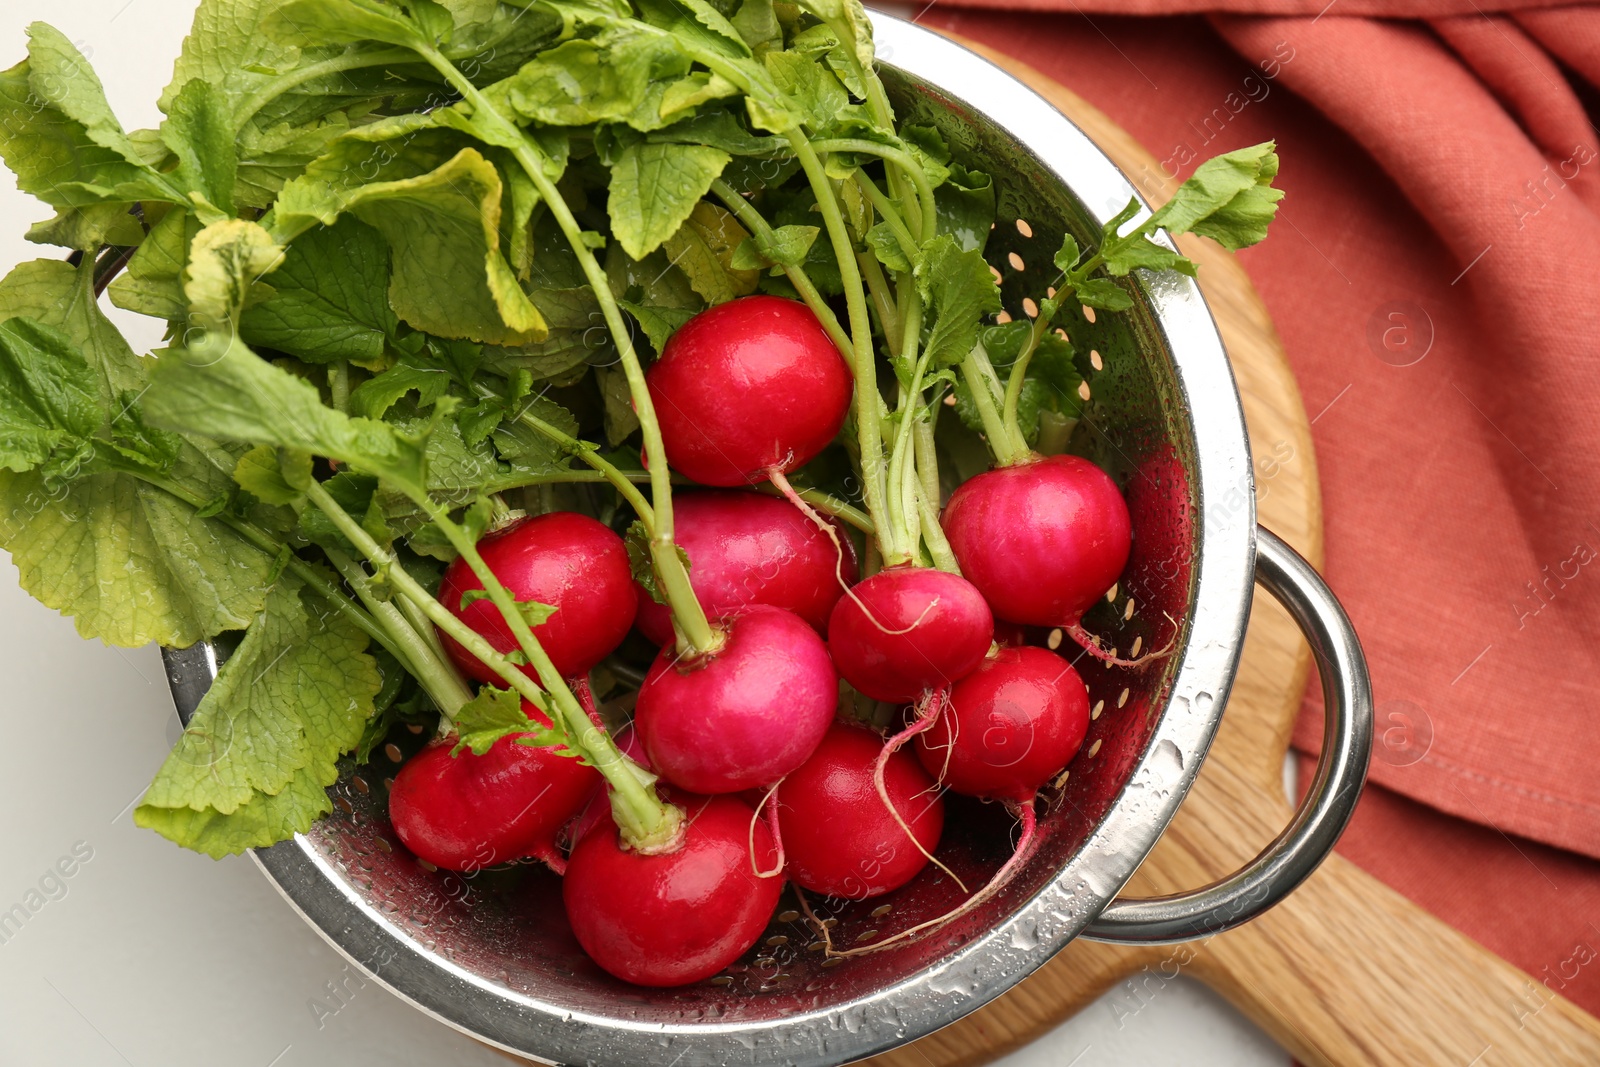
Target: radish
[
  {"x": 467, "y": 812},
  {"x": 1042, "y": 539},
  {"x": 1005, "y": 730},
  {"x": 746, "y": 548},
  {"x": 675, "y": 917},
  {"x": 744, "y": 715},
  {"x": 746, "y": 388},
  {"x": 1008, "y": 727},
  {"x": 564, "y": 559},
  {"x": 839, "y": 838},
  {"x": 909, "y": 629}
]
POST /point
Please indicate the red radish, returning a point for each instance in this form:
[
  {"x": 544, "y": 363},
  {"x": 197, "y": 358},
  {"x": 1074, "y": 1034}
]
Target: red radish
[
  {"x": 676, "y": 917},
  {"x": 747, "y": 387},
  {"x": 1009, "y": 726},
  {"x": 1005, "y": 730},
  {"x": 1043, "y": 540},
  {"x": 563, "y": 559},
  {"x": 468, "y": 812},
  {"x": 744, "y": 715},
  {"x": 838, "y": 837},
  {"x": 909, "y": 629},
  {"x": 748, "y": 548}
]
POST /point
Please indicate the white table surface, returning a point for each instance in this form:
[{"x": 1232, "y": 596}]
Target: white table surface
[{"x": 149, "y": 955}]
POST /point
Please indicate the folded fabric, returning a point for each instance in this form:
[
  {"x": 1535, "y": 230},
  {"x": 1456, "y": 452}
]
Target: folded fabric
[{"x": 1435, "y": 275}]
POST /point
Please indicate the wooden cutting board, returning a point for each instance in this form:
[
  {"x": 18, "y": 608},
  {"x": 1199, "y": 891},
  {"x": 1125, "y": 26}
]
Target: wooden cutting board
[{"x": 1346, "y": 971}]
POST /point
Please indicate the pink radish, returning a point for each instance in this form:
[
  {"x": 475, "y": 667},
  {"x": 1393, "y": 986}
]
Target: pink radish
[
  {"x": 467, "y": 812},
  {"x": 909, "y": 629},
  {"x": 1042, "y": 540},
  {"x": 838, "y": 836},
  {"x": 746, "y": 388},
  {"x": 1008, "y": 727},
  {"x": 747, "y": 548},
  {"x": 744, "y": 715},
  {"x": 564, "y": 559},
  {"x": 1006, "y": 730},
  {"x": 676, "y": 917}
]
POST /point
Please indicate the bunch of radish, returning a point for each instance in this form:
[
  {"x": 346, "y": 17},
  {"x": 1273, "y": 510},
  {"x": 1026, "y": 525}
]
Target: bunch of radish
[
  {"x": 737, "y": 737},
  {"x": 758, "y": 656}
]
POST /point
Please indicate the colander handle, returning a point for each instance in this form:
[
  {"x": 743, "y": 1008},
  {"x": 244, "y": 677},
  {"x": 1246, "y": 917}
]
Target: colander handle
[{"x": 1321, "y": 818}]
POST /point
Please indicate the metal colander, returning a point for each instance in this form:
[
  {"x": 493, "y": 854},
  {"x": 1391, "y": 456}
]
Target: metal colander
[{"x": 491, "y": 953}]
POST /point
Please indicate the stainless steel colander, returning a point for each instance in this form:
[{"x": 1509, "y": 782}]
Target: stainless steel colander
[{"x": 491, "y": 955}]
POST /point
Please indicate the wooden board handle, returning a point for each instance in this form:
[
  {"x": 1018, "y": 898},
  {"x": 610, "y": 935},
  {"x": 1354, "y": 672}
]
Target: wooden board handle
[{"x": 1347, "y": 971}]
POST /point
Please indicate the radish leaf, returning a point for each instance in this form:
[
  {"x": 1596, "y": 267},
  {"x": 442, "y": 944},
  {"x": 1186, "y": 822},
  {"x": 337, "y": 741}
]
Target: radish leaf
[
  {"x": 439, "y": 208},
  {"x": 497, "y": 713},
  {"x": 958, "y": 285},
  {"x": 71, "y": 526},
  {"x": 654, "y": 187},
  {"x": 293, "y": 696},
  {"x": 263, "y": 820},
  {"x": 329, "y": 298}
]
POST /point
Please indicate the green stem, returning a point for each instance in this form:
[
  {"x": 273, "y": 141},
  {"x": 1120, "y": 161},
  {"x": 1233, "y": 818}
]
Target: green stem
[
  {"x": 339, "y": 385},
  {"x": 1066, "y": 286},
  {"x": 977, "y": 372},
  {"x": 928, "y": 458},
  {"x": 883, "y": 115},
  {"x": 902, "y": 455},
  {"x": 933, "y": 535},
  {"x": 1019, "y": 371},
  {"x": 423, "y": 626},
  {"x": 436, "y": 674},
  {"x": 410, "y": 588},
  {"x": 878, "y": 289},
  {"x": 753, "y": 221},
  {"x": 869, "y": 402},
  {"x": 902, "y": 161},
  {"x": 695, "y": 629},
  {"x": 890, "y": 214}
]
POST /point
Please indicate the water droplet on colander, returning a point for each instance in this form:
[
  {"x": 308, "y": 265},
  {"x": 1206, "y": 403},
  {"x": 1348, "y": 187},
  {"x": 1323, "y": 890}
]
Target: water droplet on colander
[
  {"x": 1166, "y": 762},
  {"x": 1025, "y": 937}
]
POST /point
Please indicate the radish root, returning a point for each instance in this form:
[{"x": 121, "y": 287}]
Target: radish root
[
  {"x": 928, "y": 710},
  {"x": 769, "y": 806},
  {"x": 780, "y": 481},
  {"x": 552, "y": 858},
  {"x": 1091, "y": 644},
  {"x": 585, "y": 694},
  {"x": 1024, "y": 850}
]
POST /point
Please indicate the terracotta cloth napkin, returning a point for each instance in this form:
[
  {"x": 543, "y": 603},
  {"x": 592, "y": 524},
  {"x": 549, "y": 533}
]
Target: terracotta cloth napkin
[{"x": 1435, "y": 275}]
